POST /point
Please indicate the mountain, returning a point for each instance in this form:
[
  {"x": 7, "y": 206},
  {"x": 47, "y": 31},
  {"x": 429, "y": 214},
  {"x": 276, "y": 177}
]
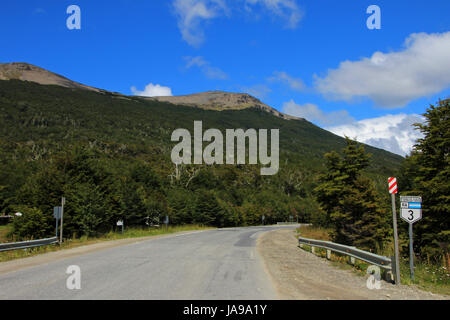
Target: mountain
[
  {"x": 95, "y": 145},
  {"x": 219, "y": 100},
  {"x": 28, "y": 72},
  {"x": 211, "y": 100}
]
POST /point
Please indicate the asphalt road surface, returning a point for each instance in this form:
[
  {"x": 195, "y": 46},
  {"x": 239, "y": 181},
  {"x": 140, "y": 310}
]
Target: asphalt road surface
[{"x": 214, "y": 264}]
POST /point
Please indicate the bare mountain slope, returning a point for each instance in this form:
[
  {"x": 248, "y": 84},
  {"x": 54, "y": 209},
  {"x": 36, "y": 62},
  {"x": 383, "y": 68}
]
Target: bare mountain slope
[
  {"x": 28, "y": 72},
  {"x": 220, "y": 100}
]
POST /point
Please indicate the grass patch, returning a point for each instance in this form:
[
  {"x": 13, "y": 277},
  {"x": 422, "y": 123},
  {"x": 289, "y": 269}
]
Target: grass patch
[
  {"x": 73, "y": 243},
  {"x": 4, "y": 230},
  {"x": 428, "y": 276},
  {"x": 314, "y": 233}
]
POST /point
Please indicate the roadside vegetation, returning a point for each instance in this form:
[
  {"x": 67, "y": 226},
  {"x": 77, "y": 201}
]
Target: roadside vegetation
[
  {"x": 354, "y": 213},
  {"x": 428, "y": 276},
  {"x": 109, "y": 156},
  {"x": 70, "y": 243}
]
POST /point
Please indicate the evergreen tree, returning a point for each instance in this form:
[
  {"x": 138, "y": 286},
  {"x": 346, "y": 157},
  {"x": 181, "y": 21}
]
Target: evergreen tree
[
  {"x": 207, "y": 208},
  {"x": 427, "y": 173},
  {"x": 350, "y": 200}
]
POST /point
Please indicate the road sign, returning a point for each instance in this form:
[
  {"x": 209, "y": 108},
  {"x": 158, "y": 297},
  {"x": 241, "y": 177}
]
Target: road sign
[
  {"x": 120, "y": 223},
  {"x": 411, "y": 208},
  {"x": 411, "y": 211},
  {"x": 392, "y": 185},
  {"x": 57, "y": 212},
  {"x": 411, "y": 215},
  {"x": 411, "y": 199}
]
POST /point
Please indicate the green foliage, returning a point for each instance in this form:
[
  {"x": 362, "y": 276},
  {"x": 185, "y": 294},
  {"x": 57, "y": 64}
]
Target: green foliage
[
  {"x": 207, "y": 209},
  {"x": 350, "y": 201},
  {"x": 426, "y": 172},
  {"x": 33, "y": 224},
  {"x": 110, "y": 157}
]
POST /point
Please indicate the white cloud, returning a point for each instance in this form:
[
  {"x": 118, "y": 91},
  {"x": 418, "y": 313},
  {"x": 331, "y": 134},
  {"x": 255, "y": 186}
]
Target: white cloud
[
  {"x": 288, "y": 10},
  {"x": 312, "y": 112},
  {"x": 190, "y": 15},
  {"x": 293, "y": 83},
  {"x": 152, "y": 90},
  {"x": 393, "y": 79},
  {"x": 208, "y": 70},
  {"x": 394, "y": 133}
]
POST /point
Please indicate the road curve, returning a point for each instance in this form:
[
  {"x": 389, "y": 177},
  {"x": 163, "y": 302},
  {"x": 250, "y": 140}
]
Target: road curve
[{"x": 218, "y": 264}]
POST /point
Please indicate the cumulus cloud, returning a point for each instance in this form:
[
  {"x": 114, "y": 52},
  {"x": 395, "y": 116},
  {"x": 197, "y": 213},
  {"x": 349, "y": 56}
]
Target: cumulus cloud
[
  {"x": 394, "y": 133},
  {"x": 293, "y": 83},
  {"x": 288, "y": 10},
  {"x": 312, "y": 112},
  {"x": 152, "y": 90},
  {"x": 396, "y": 78},
  {"x": 208, "y": 70},
  {"x": 191, "y": 14}
]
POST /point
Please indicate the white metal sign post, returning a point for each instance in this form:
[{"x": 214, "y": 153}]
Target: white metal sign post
[
  {"x": 120, "y": 224},
  {"x": 393, "y": 190},
  {"x": 411, "y": 212},
  {"x": 63, "y": 202}
]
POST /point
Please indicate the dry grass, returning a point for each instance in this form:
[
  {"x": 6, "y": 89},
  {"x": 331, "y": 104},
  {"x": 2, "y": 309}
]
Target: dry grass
[{"x": 314, "y": 233}]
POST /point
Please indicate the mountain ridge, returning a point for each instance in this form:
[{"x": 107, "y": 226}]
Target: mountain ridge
[{"x": 209, "y": 100}]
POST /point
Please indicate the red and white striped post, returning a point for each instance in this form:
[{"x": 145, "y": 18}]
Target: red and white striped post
[{"x": 393, "y": 190}]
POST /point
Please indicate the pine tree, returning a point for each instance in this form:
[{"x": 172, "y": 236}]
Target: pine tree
[
  {"x": 350, "y": 200},
  {"x": 427, "y": 172}
]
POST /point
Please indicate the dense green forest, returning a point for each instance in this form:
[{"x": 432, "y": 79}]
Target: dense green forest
[{"x": 109, "y": 155}]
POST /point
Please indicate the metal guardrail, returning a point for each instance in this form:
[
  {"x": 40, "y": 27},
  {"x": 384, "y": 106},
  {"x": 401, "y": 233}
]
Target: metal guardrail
[
  {"x": 374, "y": 259},
  {"x": 27, "y": 244}
]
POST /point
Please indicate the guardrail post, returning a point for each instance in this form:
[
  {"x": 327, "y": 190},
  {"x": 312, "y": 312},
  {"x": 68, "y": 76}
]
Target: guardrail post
[
  {"x": 351, "y": 260},
  {"x": 389, "y": 276},
  {"x": 394, "y": 270},
  {"x": 329, "y": 254}
]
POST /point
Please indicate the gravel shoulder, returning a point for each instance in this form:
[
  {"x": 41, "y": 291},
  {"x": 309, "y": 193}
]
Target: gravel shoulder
[{"x": 300, "y": 275}]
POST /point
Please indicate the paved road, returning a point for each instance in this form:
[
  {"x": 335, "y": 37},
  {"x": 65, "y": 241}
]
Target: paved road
[{"x": 213, "y": 264}]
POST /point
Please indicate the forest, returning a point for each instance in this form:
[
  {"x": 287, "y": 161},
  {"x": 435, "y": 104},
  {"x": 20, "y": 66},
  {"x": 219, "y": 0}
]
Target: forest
[{"x": 109, "y": 156}]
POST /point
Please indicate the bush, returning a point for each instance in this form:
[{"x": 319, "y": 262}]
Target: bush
[{"x": 33, "y": 224}]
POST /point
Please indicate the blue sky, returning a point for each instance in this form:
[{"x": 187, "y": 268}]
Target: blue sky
[{"x": 313, "y": 59}]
